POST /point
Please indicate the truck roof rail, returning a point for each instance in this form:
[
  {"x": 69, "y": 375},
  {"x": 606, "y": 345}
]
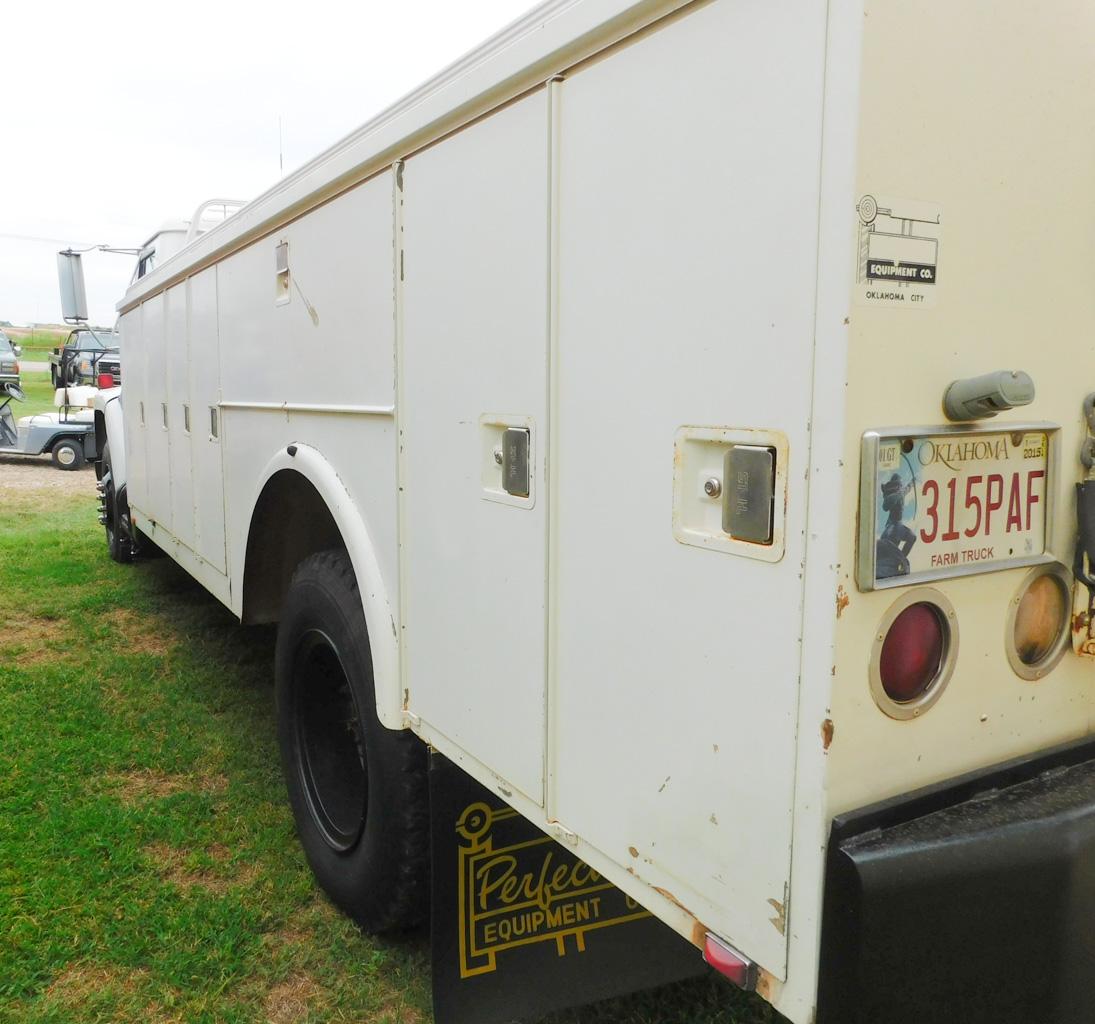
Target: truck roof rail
[{"x": 228, "y": 207}]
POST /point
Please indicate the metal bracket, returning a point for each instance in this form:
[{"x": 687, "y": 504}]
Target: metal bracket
[
  {"x": 563, "y": 834},
  {"x": 1084, "y": 558}
]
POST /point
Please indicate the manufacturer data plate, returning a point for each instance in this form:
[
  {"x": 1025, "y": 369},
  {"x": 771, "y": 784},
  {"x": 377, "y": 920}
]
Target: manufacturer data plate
[{"x": 951, "y": 502}]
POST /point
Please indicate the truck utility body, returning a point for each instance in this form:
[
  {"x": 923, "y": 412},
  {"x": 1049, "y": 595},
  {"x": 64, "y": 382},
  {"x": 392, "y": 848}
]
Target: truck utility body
[{"x": 641, "y": 464}]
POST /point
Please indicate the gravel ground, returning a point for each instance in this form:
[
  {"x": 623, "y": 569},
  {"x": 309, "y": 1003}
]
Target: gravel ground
[{"x": 39, "y": 474}]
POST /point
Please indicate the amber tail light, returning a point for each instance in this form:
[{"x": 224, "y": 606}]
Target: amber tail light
[{"x": 1037, "y": 631}]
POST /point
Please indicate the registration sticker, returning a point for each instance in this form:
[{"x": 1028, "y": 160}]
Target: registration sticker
[{"x": 953, "y": 502}]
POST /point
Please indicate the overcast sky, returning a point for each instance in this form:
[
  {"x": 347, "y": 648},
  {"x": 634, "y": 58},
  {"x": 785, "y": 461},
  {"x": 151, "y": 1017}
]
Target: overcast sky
[{"x": 119, "y": 116}]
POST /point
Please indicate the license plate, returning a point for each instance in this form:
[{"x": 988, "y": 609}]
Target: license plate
[{"x": 954, "y": 502}]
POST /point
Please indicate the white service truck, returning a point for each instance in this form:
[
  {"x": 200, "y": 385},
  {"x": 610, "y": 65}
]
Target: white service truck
[{"x": 675, "y": 415}]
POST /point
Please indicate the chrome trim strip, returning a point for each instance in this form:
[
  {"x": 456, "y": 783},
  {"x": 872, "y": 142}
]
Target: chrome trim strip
[{"x": 328, "y": 410}]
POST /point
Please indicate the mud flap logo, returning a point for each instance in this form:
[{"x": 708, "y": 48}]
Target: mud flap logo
[
  {"x": 897, "y": 259},
  {"x": 519, "y": 893},
  {"x": 519, "y": 926}
]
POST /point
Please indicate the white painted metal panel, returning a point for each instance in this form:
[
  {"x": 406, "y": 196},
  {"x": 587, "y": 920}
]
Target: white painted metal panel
[
  {"x": 177, "y": 384},
  {"x": 687, "y": 246},
  {"x": 204, "y": 388},
  {"x": 158, "y": 469},
  {"x": 475, "y": 356},
  {"x": 341, "y": 262},
  {"x": 133, "y": 399},
  {"x": 306, "y": 345}
]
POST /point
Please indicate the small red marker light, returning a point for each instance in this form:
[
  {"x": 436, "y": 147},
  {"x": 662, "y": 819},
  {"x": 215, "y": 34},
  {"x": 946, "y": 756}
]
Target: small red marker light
[
  {"x": 106, "y": 380},
  {"x": 730, "y": 963}
]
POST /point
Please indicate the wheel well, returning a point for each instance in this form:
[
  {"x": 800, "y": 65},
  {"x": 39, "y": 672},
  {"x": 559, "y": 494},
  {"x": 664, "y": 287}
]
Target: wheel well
[
  {"x": 291, "y": 521},
  {"x": 76, "y": 439}
]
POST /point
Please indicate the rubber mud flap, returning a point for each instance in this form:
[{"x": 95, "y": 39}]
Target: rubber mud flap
[
  {"x": 974, "y": 903},
  {"x": 520, "y": 926}
]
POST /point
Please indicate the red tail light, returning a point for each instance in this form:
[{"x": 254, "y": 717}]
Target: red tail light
[
  {"x": 106, "y": 380},
  {"x": 912, "y": 652}
]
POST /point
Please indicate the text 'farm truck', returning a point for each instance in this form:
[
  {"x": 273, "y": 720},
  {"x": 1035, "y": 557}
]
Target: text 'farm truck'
[{"x": 665, "y": 443}]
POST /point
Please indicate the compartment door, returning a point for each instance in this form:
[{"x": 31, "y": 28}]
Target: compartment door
[
  {"x": 687, "y": 248},
  {"x": 179, "y": 414},
  {"x": 156, "y": 412},
  {"x": 474, "y": 366},
  {"x": 134, "y": 405},
  {"x": 206, "y": 428}
]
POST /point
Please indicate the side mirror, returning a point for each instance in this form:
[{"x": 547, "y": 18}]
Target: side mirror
[
  {"x": 18, "y": 350},
  {"x": 70, "y": 273}
]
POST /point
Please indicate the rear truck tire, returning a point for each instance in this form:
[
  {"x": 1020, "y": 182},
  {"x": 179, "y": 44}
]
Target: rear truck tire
[
  {"x": 114, "y": 513},
  {"x": 358, "y": 790},
  {"x": 68, "y": 453},
  {"x": 53, "y": 377}
]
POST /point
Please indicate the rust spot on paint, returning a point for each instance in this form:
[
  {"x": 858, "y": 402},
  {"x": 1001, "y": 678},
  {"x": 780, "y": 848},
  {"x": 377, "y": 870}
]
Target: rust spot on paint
[
  {"x": 768, "y": 985},
  {"x": 842, "y": 600},
  {"x": 827, "y": 730},
  {"x": 713, "y": 819},
  {"x": 633, "y": 851},
  {"x": 406, "y": 699},
  {"x": 1080, "y": 622},
  {"x": 673, "y": 899},
  {"x": 780, "y": 920},
  {"x": 699, "y": 929},
  {"x": 699, "y": 934},
  {"x": 715, "y": 748}
]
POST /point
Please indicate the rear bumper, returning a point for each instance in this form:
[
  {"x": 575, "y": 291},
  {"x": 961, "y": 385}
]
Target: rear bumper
[{"x": 972, "y": 901}]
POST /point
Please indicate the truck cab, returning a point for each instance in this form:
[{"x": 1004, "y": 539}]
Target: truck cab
[{"x": 174, "y": 235}]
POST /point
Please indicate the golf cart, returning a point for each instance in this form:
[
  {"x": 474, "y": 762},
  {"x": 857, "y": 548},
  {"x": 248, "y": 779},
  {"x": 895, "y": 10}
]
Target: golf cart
[{"x": 68, "y": 434}]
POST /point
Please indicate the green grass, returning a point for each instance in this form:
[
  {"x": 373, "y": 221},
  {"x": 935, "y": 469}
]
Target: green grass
[
  {"x": 39, "y": 392},
  {"x": 37, "y": 343},
  {"x": 148, "y": 865}
]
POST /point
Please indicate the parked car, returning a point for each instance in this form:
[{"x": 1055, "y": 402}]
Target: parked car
[
  {"x": 78, "y": 360},
  {"x": 9, "y": 360}
]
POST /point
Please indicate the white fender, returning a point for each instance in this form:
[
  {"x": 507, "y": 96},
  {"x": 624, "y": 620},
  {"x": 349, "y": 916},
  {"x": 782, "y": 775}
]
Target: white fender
[
  {"x": 109, "y": 403},
  {"x": 379, "y": 615}
]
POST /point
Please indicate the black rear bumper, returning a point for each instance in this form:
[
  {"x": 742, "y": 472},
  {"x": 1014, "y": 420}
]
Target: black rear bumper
[{"x": 969, "y": 902}]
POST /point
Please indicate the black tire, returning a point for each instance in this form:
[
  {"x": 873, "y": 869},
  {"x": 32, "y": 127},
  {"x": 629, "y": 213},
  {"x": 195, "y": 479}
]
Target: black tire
[
  {"x": 115, "y": 514},
  {"x": 68, "y": 453},
  {"x": 53, "y": 376},
  {"x": 358, "y": 790}
]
